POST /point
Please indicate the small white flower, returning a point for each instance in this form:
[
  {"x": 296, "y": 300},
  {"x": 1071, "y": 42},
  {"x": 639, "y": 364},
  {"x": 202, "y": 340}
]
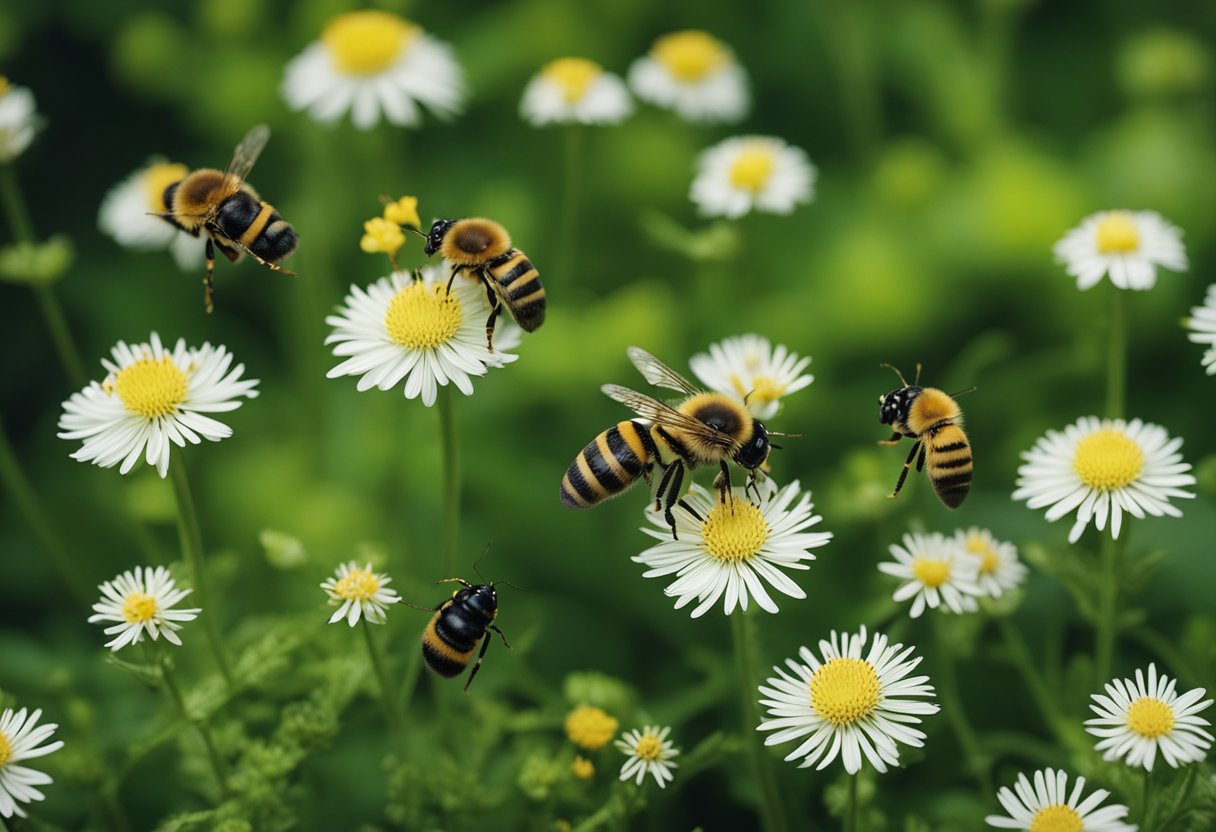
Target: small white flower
[
  {"x": 129, "y": 214},
  {"x": 1049, "y": 806},
  {"x": 649, "y": 751},
  {"x": 370, "y": 62},
  {"x": 694, "y": 74},
  {"x": 151, "y": 397},
  {"x": 1101, "y": 467},
  {"x": 749, "y": 173},
  {"x": 1000, "y": 571},
  {"x": 937, "y": 572},
  {"x": 19, "y": 739},
  {"x": 1127, "y": 245},
  {"x": 1202, "y": 326},
  {"x": 359, "y": 592},
  {"x": 847, "y": 705},
  {"x": 1136, "y": 720},
  {"x": 399, "y": 328},
  {"x": 748, "y": 367},
  {"x": 575, "y": 90},
  {"x": 19, "y": 120},
  {"x": 142, "y": 602}
]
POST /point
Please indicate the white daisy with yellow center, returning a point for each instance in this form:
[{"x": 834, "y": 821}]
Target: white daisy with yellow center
[
  {"x": 1100, "y": 468},
  {"x": 748, "y": 367},
  {"x": 1202, "y": 326},
  {"x": 752, "y": 173},
  {"x": 372, "y": 62},
  {"x": 358, "y": 591},
  {"x": 1049, "y": 807},
  {"x": 19, "y": 120},
  {"x": 937, "y": 572},
  {"x": 129, "y": 214},
  {"x": 730, "y": 550},
  {"x": 649, "y": 752},
  {"x": 152, "y": 398},
  {"x": 575, "y": 91},
  {"x": 141, "y": 602},
  {"x": 1127, "y": 245},
  {"x": 852, "y": 703},
  {"x": 20, "y": 736},
  {"x": 1136, "y": 720},
  {"x": 1000, "y": 571},
  {"x": 695, "y": 74},
  {"x": 406, "y": 328}
]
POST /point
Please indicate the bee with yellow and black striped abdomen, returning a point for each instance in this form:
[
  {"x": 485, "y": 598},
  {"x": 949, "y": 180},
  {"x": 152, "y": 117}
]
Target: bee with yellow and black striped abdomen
[
  {"x": 457, "y": 625},
  {"x": 934, "y": 420}
]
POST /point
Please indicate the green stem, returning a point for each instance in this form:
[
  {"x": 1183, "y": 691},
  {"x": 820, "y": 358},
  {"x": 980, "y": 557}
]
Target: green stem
[
  {"x": 388, "y": 697},
  {"x": 852, "y": 818},
  {"x": 1116, "y": 358},
  {"x": 1019, "y": 652},
  {"x": 1145, "y": 825},
  {"x": 573, "y": 138},
  {"x": 19, "y": 221},
  {"x": 200, "y": 723},
  {"x": 772, "y": 812},
  {"x": 1107, "y": 600},
  {"x": 952, "y": 704},
  {"x": 116, "y": 817},
  {"x": 450, "y": 452}
]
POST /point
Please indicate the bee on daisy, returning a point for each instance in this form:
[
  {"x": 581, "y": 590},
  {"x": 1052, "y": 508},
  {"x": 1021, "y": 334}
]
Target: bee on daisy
[
  {"x": 19, "y": 120},
  {"x": 1048, "y": 805},
  {"x": 575, "y": 91},
  {"x": 130, "y": 213},
  {"x": 649, "y": 752},
  {"x": 1127, "y": 246},
  {"x": 1202, "y": 326},
  {"x": 142, "y": 603},
  {"x": 937, "y": 572},
  {"x": 20, "y": 739},
  {"x": 752, "y": 173},
  {"x": 359, "y": 592},
  {"x": 694, "y": 74},
  {"x": 749, "y": 367}
]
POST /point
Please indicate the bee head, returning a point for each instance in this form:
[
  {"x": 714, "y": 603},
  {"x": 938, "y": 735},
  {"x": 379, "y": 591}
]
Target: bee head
[
  {"x": 482, "y": 597},
  {"x": 893, "y": 406},
  {"x": 755, "y": 451},
  {"x": 434, "y": 238}
]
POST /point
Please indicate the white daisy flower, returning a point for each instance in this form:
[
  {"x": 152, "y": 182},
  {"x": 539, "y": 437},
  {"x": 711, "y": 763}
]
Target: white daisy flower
[
  {"x": 847, "y": 705},
  {"x": 19, "y": 120},
  {"x": 1000, "y": 571},
  {"x": 1202, "y": 326},
  {"x": 20, "y": 735},
  {"x": 402, "y": 328},
  {"x": 1136, "y": 720},
  {"x": 359, "y": 592},
  {"x": 1049, "y": 806},
  {"x": 937, "y": 572},
  {"x": 733, "y": 548},
  {"x": 649, "y": 751},
  {"x": 749, "y": 173},
  {"x": 151, "y": 397},
  {"x": 747, "y": 366},
  {"x": 1102, "y": 467},
  {"x": 128, "y": 214},
  {"x": 142, "y": 602},
  {"x": 575, "y": 90},
  {"x": 1127, "y": 245},
  {"x": 694, "y": 74},
  {"x": 370, "y": 62}
]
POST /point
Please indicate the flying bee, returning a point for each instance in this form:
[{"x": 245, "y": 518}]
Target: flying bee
[
  {"x": 483, "y": 248},
  {"x": 934, "y": 420},
  {"x": 703, "y": 429},
  {"x": 231, "y": 214}
]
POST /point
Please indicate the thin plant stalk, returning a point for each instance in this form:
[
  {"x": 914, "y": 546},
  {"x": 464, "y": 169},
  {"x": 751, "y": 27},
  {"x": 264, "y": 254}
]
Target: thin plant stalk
[
  {"x": 772, "y": 811},
  {"x": 450, "y": 462},
  {"x": 573, "y": 140},
  {"x": 1145, "y": 825},
  {"x": 1107, "y": 603},
  {"x": 388, "y": 695},
  {"x": 852, "y": 816},
  {"x": 200, "y": 723},
  {"x": 1039, "y": 692},
  {"x": 1116, "y": 357},
  {"x": 952, "y": 705}
]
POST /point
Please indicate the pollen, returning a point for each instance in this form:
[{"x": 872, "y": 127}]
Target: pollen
[
  {"x": 649, "y": 747},
  {"x": 752, "y": 167},
  {"x": 423, "y": 317},
  {"x": 1150, "y": 718},
  {"x": 403, "y": 212},
  {"x": 1057, "y": 818},
  {"x": 151, "y": 387},
  {"x": 138, "y": 607},
  {"x": 357, "y": 585},
  {"x": 1108, "y": 459},
  {"x": 573, "y": 75},
  {"x": 845, "y": 690},
  {"x": 582, "y": 768},
  {"x": 930, "y": 571},
  {"x": 381, "y": 236},
  {"x": 1117, "y": 233},
  {"x": 690, "y": 55},
  {"x": 6, "y": 748},
  {"x": 157, "y": 178},
  {"x": 590, "y": 727},
  {"x": 367, "y": 42},
  {"x": 734, "y": 531},
  {"x": 989, "y": 561}
]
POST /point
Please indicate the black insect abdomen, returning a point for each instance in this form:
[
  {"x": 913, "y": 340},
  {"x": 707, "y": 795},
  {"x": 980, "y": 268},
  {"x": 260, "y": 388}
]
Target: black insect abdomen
[
  {"x": 236, "y": 214},
  {"x": 277, "y": 240},
  {"x": 518, "y": 283}
]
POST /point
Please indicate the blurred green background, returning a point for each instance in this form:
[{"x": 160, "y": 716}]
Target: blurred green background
[{"x": 956, "y": 142}]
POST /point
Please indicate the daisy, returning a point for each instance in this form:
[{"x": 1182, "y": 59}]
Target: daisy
[
  {"x": 129, "y": 214},
  {"x": 847, "y": 705},
  {"x": 1049, "y": 806},
  {"x": 694, "y": 74},
  {"x": 356, "y": 592},
  {"x": 151, "y": 397},
  {"x": 748, "y": 367},
  {"x": 1136, "y": 720},
  {"x": 372, "y": 61},
  {"x": 19, "y": 739},
  {"x": 406, "y": 328},
  {"x": 1000, "y": 571},
  {"x": 1202, "y": 326},
  {"x": 1127, "y": 245},
  {"x": 1100, "y": 467},
  {"x": 649, "y": 751},
  {"x": 575, "y": 90},
  {"x": 142, "y": 602},
  {"x": 19, "y": 120},
  {"x": 748, "y": 173},
  {"x": 936, "y": 571},
  {"x": 729, "y": 550}
]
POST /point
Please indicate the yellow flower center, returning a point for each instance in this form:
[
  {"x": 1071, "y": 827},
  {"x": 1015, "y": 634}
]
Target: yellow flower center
[
  {"x": 1108, "y": 459},
  {"x": 157, "y": 178},
  {"x": 357, "y": 585},
  {"x": 590, "y": 727},
  {"x": 138, "y": 607},
  {"x": 649, "y": 747},
  {"x": 764, "y": 390},
  {"x": 582, "y": 768},
  {"x": 367, "y": 42},
  {"x": 403, "y": 212},
  {"x": 1150, "y": 718},
  {"x": 690, "y": 55},
  {"x": 989, "y": 562},
  {"x": 573, "y": 75},
  {"x": 422, "y": 317},
  {"x": 6, "y": 748},
  {"x": 930, "y": 571},
  {"x": 1117, "y": 233},
  {"x": 752, "y": 167},
  {"x": 844, "y": 690},
  {"x": 151, "y": 387},
  {"x": 1058, "y": 818},
  {"x": 381, "y": 235},
  {"x": 734, "y": 531}
]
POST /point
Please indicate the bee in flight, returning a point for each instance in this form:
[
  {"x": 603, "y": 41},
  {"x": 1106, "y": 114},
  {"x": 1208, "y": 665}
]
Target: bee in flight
[
  {"x": 231, "y": 214},
  {"x": 702, "y": 429},
  {"x": 934, "y": 420},
  {"x": 458, "y": 624}
]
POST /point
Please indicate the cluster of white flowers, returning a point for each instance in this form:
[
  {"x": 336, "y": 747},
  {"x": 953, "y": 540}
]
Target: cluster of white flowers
[{"x": 950, "y": 573}]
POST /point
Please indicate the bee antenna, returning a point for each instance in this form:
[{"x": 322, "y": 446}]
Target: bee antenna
[
  {"x": 776, "y": 447},
  {"x": 415, "y": 229},
  {"x": 484, "y": 552},
  {"x": 963, "y": 392},
  {"x": 508, "y": 583},
  {"x": 895, "y": 370},
  {"x": 789, "y": 435}
]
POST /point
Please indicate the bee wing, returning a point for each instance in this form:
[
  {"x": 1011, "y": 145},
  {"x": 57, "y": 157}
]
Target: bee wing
[
  {"x": 658, "y": 373},
  {"x": 244, "y": 156},
  {"x": 667, "y": 416}
]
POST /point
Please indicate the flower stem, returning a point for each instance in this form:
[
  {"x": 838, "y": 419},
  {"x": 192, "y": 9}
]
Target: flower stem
[
  {"x": 200, "y": 723},
  {"x": 1147, "y": 814},
  {"x": 573, "y": 138},
  {"x": 1107, "y": 600},
  {"x": 952, "y": 704},
  {"x": 852, "y": 821},
  {"x": 1116, "y": 358},
  {"x": 772, "y": 812},
  {"x": 450, "y": 453},
  {"x": 1022, "y": 659},
  {"x": 388, "y": 696}
]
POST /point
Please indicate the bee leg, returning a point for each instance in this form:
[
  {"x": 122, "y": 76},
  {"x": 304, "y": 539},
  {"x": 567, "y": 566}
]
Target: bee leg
[
  {"x": 663, "y": 483},
  {"x": 684, "y": 505},
  {"x": 460, "y": 581},
  {"x": 673, "y": 495},
  {"x": 894, "y": 440},
  {"x": 505, "y": 643},
  {"x": 722, "y": 482},
  {"x": 209, "y": 280},
  {"x": 495, "y": 308},
  {"x": 903, "y": 475},
  {"x": 485, "y": 645},
  {"x": 920, "y": 460},
  {"x": 455, "y": 271},
  {"x": 751, "y": 486}
]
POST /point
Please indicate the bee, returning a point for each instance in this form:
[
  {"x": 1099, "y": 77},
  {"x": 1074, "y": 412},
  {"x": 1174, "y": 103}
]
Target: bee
[
  {"x": 703, "y": 429},
  {"x": 231, "y": 214},
  {"x": 483, "y": 248},
  {"x": 457, "y": 625},
  {"x": 934, "y": 420}
]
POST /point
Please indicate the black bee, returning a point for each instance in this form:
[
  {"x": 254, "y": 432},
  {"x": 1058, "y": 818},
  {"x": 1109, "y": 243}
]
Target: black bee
[{"x": 456, "y": 627}]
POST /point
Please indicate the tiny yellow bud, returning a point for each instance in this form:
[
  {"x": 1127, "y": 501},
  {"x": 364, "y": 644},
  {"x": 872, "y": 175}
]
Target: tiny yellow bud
[
  {"x": 381, "y": 236},
  {"x": 582, "y": 768},
  {"x": 403, "y": 212},
  {"x": 590, "y": 727}
]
